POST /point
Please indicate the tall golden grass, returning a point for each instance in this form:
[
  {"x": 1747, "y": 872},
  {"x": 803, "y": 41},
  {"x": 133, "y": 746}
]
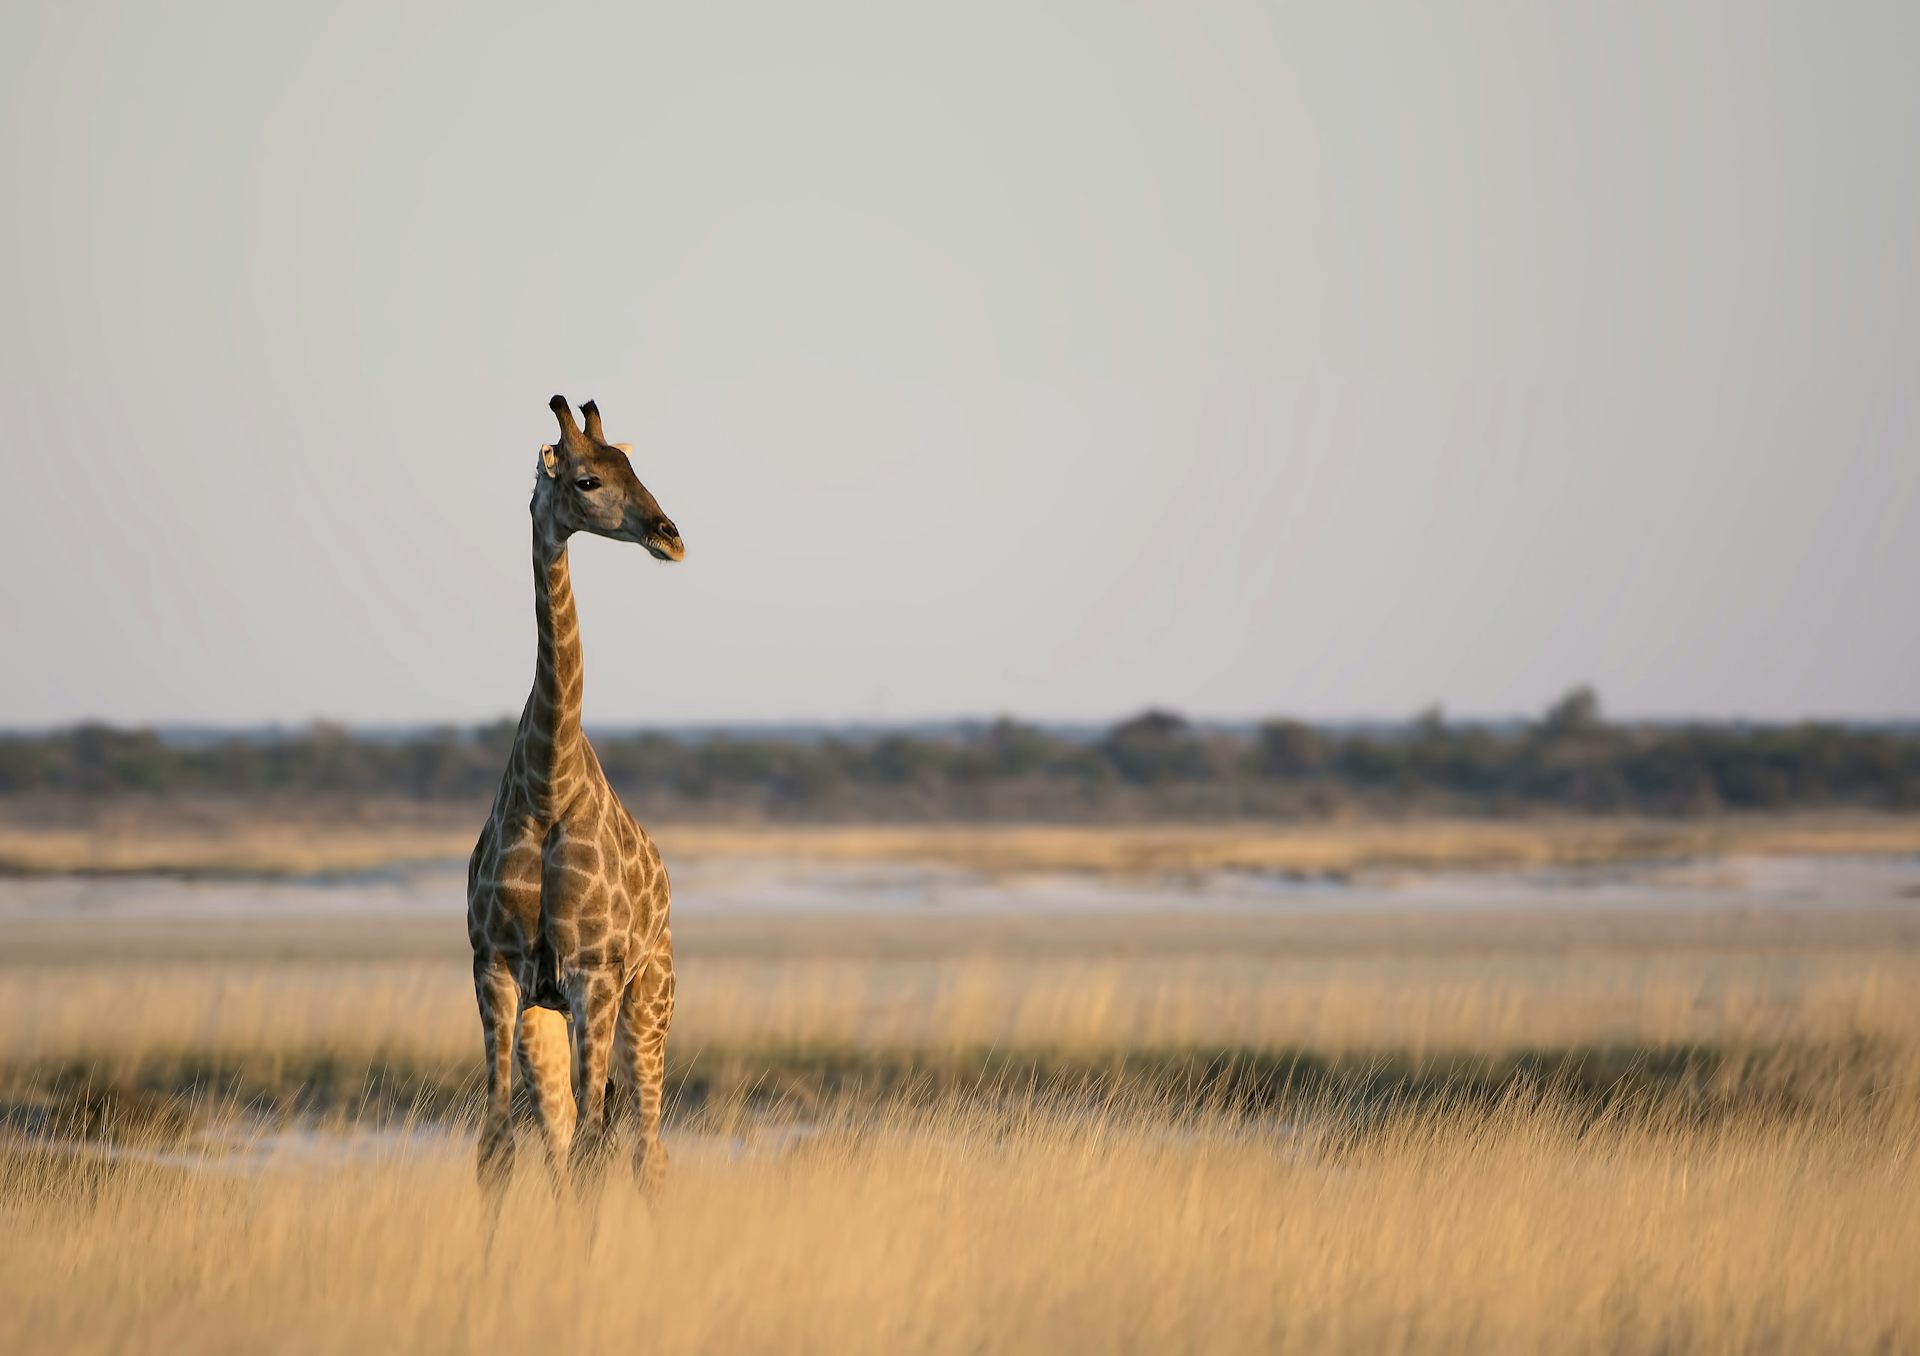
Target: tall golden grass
[
  {"x": 1776, "y": 1212},
  {"x": 121, "y": 1019},
  {"x": 1527, "y": 1226}
]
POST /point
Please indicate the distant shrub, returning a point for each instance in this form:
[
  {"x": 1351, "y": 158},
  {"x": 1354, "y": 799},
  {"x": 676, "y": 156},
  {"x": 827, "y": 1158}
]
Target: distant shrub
[{"x": 1154, "y": 763}]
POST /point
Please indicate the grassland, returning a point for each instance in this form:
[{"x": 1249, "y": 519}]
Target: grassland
[
  {"x": 1584, "y": 1129},
  {"x": 1527, "y": 1225}
]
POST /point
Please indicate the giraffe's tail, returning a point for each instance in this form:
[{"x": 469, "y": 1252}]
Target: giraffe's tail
[{"x": 546, "y": 981}]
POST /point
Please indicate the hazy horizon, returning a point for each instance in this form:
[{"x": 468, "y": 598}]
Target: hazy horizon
[
  {"x": 1090, "y": 725},
  {"x": 1244, "y": 360}
]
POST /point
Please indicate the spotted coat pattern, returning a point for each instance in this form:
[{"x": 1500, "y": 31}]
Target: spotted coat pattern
[{"x": 567, "y": 898}]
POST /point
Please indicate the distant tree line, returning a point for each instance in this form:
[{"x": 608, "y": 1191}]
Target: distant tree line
[{"x": 1156, "y": 764}]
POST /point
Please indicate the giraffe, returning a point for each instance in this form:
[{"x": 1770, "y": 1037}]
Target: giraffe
[{"x": 566, "y": 896}]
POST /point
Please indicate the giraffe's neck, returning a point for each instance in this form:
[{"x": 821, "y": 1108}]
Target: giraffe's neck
[{"x": 550, "y": 745}]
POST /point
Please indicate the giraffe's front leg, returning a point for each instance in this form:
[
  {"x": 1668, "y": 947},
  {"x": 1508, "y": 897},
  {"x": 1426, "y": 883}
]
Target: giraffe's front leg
[
  {"x": 499, "y": 999},
  {"x": 594, "y": 996},
  {"x": 647, "y": 1013}
]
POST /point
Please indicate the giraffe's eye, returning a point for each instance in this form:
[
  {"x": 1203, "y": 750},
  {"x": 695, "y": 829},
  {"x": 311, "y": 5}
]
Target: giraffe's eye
[{"x": 587, "y": 483}]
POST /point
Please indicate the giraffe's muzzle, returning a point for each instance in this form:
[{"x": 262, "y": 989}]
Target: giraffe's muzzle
[{"x": 664, "y": 543}]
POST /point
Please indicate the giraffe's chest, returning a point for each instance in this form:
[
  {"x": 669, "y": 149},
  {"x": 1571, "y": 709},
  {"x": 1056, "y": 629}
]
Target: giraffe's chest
[{"x": 576, "y": 891}]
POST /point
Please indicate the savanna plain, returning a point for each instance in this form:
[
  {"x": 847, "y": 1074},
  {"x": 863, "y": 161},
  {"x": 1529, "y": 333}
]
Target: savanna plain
[{"x": 1106, "y": 1092}]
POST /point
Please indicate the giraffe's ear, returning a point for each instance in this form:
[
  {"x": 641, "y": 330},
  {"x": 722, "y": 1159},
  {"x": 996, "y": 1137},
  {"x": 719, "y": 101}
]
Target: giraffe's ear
[
  {"x": 549, "y": 460},
  {"x": 626, "y": 448}
]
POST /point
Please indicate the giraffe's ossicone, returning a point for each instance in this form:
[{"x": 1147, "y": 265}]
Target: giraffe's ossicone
[{"x": 567, "y": 898}]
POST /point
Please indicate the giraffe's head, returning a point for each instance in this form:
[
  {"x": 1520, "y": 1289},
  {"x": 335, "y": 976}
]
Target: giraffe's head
[{"x": 587, "y": 484}]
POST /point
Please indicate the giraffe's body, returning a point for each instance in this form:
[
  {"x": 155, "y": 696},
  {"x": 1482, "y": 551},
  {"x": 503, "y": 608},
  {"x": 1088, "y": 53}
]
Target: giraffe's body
[{"x": 567, "y": 900}]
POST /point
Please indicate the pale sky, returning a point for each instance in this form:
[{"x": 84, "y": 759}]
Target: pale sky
[{"x": 1053, "y": 359}]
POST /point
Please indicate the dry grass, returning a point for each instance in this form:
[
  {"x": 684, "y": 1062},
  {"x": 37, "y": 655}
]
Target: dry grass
[
  {"x": 963, "y": 1229},
  {"x": 260, "y": 849},
  {"x": 125, "y": 1021},
  {"x": 292, "y": 841},
  {"x": 1327, "y": 848},
  {"x": 1772, "y": 1207}
]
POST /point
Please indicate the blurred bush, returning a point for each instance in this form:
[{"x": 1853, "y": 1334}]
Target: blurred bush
[{"x": 1155, "y": 764}]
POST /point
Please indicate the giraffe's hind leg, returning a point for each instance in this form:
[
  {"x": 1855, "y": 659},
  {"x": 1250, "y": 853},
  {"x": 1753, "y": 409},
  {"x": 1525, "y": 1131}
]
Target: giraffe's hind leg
[
  {"x": 499, "y": 999},
  {"x": 545, "y": 1055},
  {"x": 594, "y": 997},
  {"x": 646, "y": 1013}
]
